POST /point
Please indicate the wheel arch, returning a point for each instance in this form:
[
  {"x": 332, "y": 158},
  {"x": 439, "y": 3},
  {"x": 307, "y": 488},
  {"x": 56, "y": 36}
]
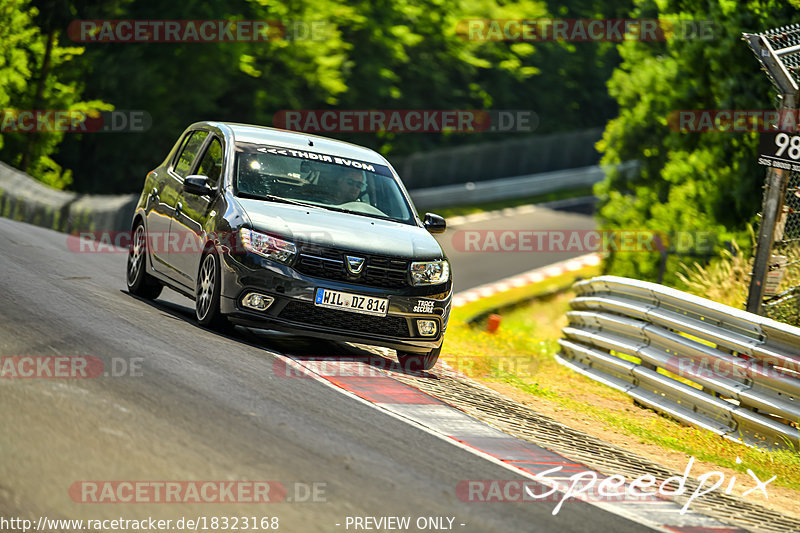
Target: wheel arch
[
  {"x": 208, "y": 246},
  {"x": 138, "y": 217}
]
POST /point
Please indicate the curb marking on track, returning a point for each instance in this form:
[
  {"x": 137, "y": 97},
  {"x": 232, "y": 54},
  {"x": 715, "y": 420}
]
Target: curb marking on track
[
  {"x": 378, "y": 388},
  {"x": 526, "y": 278}
]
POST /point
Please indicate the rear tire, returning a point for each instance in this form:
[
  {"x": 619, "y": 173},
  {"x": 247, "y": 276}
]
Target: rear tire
[
  {"x": 414, "y": 362},
  {"x": 140, "y": 283},
  {"x": 207, "y": 294}
]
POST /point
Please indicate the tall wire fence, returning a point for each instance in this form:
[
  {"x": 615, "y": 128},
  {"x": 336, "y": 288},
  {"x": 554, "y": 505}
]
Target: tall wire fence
[
  {"x": 785, "y": 305},
  {"x": 775, "y": 284}
]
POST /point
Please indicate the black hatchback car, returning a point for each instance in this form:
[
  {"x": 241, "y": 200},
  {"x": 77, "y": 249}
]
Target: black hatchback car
[{"x": 280, "y": 230}]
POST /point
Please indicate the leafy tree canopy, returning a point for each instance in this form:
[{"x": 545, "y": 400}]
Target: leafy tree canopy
[{"x": 688, "y": 182}]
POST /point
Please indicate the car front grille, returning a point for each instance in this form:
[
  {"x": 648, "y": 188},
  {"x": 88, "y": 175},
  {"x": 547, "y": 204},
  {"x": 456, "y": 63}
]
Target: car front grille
[
  {"x": 329, "y": 263},
  {"x": 307, "y": 313}
]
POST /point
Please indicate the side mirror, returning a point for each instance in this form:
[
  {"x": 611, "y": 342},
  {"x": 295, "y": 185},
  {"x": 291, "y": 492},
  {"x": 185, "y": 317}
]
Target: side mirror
[
  {"x": 196, "y": 184},
  {"x": 434, "y": 223}
]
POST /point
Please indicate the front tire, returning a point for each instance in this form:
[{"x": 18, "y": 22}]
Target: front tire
[
  {"x": 414, "y": 362},
  {"x": 207, "y": 294},
  {"x": 140, "y": 283}
]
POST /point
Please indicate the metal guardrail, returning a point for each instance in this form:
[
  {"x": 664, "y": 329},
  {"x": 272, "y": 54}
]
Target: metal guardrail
[
  {"x": 518, "y": 155},
  {"x": 27, "y": 200},
  {"x": 24, "y": 199},
  {"x": 706, "y": 364},
  {"x": 516, "y": 187}
]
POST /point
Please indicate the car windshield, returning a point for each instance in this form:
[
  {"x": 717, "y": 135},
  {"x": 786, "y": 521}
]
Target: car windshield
[{"x": 321, "y": 180}]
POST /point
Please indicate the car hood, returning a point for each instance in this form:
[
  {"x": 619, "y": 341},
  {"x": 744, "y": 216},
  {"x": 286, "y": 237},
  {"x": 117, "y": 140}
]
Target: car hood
[{"x": 341, "y": 230}]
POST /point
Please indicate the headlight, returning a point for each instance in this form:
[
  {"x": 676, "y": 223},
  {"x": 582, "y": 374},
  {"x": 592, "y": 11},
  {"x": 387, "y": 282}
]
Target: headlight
[
  {"x": 430, "y": 272},
  {"x": 267, "y": 245}
]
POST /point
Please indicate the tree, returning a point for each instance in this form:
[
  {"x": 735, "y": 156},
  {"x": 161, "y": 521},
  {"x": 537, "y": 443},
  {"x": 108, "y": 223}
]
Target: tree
[
  {"x": 688, "y": 182},
  {"x": 365, "y": 55},
  {"x": 15, "y": 34},
  {"x": 29, "y": 55}
]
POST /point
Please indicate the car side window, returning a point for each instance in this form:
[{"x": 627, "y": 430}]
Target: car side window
[
  {"x": 190, "y": 149},
  {"x": 211, "y": 164}
]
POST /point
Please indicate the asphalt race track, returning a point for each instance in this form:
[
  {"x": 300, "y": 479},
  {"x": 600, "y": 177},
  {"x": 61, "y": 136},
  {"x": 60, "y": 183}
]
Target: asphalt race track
[
  {"x": 475, "y": 262},
  {"x": 208, "y": 407}
]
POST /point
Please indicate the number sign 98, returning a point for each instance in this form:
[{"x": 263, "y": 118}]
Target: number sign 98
[{"x": 784, "y": 141}]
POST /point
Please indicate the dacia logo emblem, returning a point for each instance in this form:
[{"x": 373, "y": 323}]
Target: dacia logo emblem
[{"x": 354, "y": 264}]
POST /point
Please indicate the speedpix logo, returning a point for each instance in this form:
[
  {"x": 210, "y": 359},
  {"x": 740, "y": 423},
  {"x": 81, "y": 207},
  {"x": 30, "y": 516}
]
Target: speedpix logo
[{"x": 591, "y": 486}]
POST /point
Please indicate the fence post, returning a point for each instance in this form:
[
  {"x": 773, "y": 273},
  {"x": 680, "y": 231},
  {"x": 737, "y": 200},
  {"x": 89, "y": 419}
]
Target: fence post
[{"x": 773, "y": 204}]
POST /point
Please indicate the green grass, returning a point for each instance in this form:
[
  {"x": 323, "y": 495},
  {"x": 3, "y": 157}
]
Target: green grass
[
  {"x": 521, "y": 354},
  {"x": 448, "y": 212},
  {"x": 727, "y": 280}
]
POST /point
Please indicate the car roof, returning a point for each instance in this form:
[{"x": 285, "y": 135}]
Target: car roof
[{"x": 249, "y": 133}]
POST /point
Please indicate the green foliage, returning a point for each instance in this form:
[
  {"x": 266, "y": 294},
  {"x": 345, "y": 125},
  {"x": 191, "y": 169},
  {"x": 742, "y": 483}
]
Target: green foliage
[
  {"x": 365, "y": 55},
  {"x": 16, "y": 33},
  {"x": 32, "y": 77},
  {"x": 688, "y": 182}
]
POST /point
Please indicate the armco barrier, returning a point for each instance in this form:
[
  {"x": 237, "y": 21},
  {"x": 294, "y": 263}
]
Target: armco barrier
[
  {"x": 706, "y": 364},
  {"x": 23, "y": 198},
  {"x": 520, "y": 155},
  {"x": 102, "y": 212},
  {"x": 27, "y": 200},
  {"x": 517, "y": 187}
]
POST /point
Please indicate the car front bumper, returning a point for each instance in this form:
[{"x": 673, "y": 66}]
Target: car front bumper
[{"x": 293, "y": 309}]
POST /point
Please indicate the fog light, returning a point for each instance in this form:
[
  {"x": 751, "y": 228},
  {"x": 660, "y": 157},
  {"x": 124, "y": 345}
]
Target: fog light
[
  {"x": 426, "y": 328},
  {"x": 256, "y": 301}
]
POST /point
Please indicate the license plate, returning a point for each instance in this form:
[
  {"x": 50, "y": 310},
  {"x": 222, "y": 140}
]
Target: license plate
[{"x": 351, "y": 302}]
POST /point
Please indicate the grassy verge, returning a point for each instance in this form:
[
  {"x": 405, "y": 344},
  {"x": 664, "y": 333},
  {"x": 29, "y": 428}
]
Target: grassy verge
[
  {"x": 727, "y": 279},
  {"x": 447, "y": 212},
  {"x": 521, "y": 355}
]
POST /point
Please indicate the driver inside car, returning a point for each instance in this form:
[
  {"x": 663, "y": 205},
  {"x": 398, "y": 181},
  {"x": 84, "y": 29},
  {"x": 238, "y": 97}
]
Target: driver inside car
[{"x": 348, "y": 186}]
